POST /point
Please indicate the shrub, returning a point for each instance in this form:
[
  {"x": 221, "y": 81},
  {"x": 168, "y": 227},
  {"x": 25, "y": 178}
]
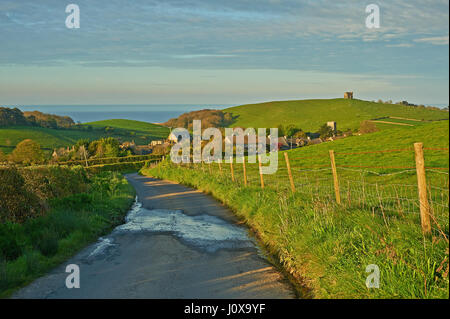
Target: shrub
[
  {"x": 2, "y": 157},
  {"x": 55, "y": 181},
  {"x": 112, "y": 160},
  {"x": 325, "y": 131},
  {"x": 11, "y": 239},
  {"x": 27, "y": 152},
  {"x": 367, "y": 127},
  {"x": 17, "y": 203},
  {"x": 24, "y": 193},
  {"x": 46, "y": 242},
  {"x": 117, "y": 167}
]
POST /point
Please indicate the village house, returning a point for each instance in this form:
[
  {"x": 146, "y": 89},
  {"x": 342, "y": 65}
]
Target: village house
[
  {"x": 282, "y": 143},
  {"x": 127, "y": 145},
  {"x": 157, "y": 142},
  {"x": 333, "y": 125},
  {"x": 236, "y": 141},
  {"x": 295, "y": 142},
  {"x": 172, "y": 138},
  {"x": 63, "y": 151}
]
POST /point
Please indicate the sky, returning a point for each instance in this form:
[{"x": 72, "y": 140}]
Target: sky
[{"x": 222, "y": 52}]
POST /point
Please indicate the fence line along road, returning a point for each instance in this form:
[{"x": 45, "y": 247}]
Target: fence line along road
[{"x": 408, "y": 191}]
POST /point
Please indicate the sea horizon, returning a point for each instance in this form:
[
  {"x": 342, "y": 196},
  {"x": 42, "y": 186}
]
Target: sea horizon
[{"x": 152, "y": 113}]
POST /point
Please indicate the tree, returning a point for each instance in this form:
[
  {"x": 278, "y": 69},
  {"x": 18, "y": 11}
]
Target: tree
[
  {"x": 28, "y": 152},
  {"x": 367, "y": 127},
  {"x": 300, "y": 134},
  {"x": 111, "y": 150},
  {"x": 104, "y": 147},
  {"x": 291, "y": 130},
  {"x": 109, "y": 130},
  {"x": 12, "y": 117},
  {"x": 281, "y": 131},
  {"x": 325, "y": 131}
]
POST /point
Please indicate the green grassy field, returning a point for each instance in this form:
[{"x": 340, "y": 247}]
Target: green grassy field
[
  {"x": 124, "y": 130},
  {"x": 327, "y": 247},
  {"x": 139, "y": 128},
  {"x": 310, "y": 114}
]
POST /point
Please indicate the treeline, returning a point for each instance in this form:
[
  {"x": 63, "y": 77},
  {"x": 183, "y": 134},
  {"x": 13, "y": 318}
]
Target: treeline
[
  {"x": 406, "y": 103},
  {"x": 209, "y": 118},
  {"x": 98, "y": 156},
  {"x": 122, "y": 167},
  {"x": 9, "y": 117},
  {"x": 112, "y": 160},
  {"x": 29, "y": 152}
]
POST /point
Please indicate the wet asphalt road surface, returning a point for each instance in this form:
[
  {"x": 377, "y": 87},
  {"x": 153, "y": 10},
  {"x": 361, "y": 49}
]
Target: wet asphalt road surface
[{"x": 176, "y": 242}]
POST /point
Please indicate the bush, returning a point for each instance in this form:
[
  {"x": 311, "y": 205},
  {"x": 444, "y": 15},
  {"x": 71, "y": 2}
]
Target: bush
[
  {"x": 118, "y": 167},
  {"x": 25, "y": 193},
  {"x": 17, "y": 203},
  {"x": 2, "y": 157},
  {"x": 11, "y": 239},
  {"x": 55, "y": 181},
  {"x": 367, "y": 127},
  {"x": 46, "y": 242},
  {"x": 325, "y": 131},
  {"x": 27, "y": 152},
  {"x": 112, "y": 160},
  {"x": 38, "y": 244}
]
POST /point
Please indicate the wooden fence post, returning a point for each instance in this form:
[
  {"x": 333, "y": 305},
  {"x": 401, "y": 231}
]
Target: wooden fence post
[
  {"x": 231, "y": 168},
  {"x": 260, "y": 172},
  {"x": 335, "y": 177},
  {"x": 422, "y": 185},
  {"x": 245, "y": 171},
  {"x": 288, "y": 165}
]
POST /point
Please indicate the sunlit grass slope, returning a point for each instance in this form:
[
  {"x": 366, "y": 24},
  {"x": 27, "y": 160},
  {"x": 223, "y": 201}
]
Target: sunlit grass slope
[
  {"x": 124, "y": 130},
  {"x": 310, "y": 114}
]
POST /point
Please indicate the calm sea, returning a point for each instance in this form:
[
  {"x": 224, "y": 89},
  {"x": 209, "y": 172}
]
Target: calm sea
[{"x": 147, "y": 113}]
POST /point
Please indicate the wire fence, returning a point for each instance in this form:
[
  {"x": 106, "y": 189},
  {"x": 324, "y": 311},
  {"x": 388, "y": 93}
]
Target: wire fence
[{"x": 414, "y": 190}]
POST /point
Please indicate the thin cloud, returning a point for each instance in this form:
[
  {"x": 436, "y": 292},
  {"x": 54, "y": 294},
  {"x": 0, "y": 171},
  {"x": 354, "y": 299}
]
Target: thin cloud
[
  {"x": 434, "y": 40},
  {"x": 400, "y": 45},
  {"x": 199, "y": 56}
]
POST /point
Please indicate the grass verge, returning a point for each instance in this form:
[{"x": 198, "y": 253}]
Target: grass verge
[
  {"x": 327, "y": 247},
  {"x": 30, "y": 249}
]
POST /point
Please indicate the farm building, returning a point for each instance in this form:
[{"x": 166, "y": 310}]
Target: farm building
[
  {"x": 348, "y": 95},
  {"x": 157, "y": 142},
  {"x": 333, "y": 126}
]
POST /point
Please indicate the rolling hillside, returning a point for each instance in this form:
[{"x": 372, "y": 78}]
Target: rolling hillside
[
  {"x": 327, "y": 245},
  {"x": 140, "y": 128},
  {"x": 310, "y": 114},
  {"x": 356, "y": 150},
  {"x": 124, "y": 130}
]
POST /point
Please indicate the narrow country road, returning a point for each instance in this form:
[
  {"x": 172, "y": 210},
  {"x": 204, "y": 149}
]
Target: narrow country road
[{"x": 176, "y": 243}]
